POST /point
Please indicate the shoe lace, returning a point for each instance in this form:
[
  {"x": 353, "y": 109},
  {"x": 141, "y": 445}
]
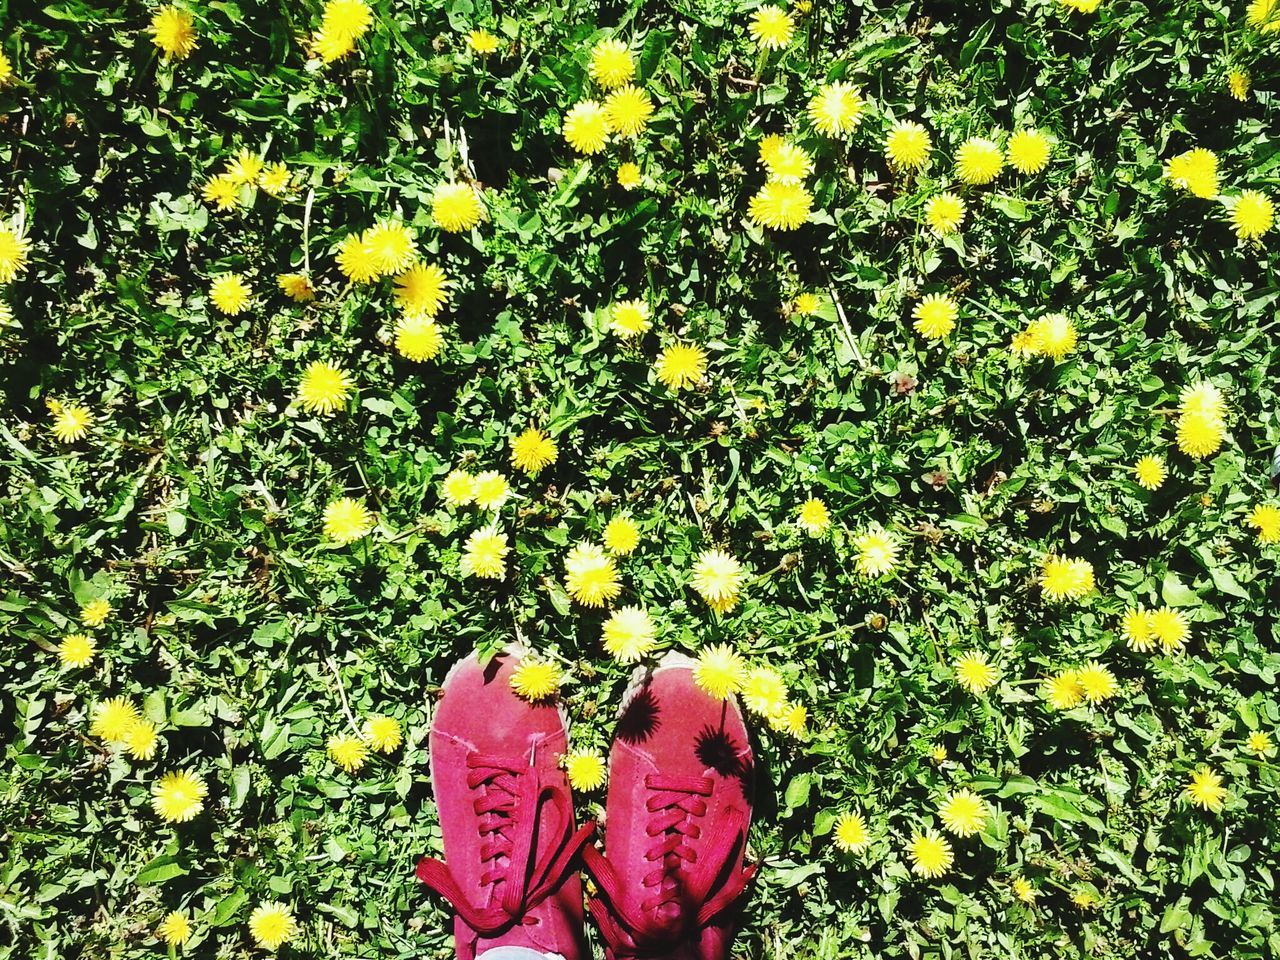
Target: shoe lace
[
  {"x": 510, "y": 797},
  {"x": 682, "y": 901},
  {"x": 673, "y": 804}
]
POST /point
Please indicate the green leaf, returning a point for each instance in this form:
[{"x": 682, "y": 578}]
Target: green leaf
[
  {"x": 1175, "y": 593},
  {"x": 159, "y": 870}
]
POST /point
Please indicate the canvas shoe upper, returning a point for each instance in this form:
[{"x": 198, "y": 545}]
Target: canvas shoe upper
[{"x": 506, "y": 815}]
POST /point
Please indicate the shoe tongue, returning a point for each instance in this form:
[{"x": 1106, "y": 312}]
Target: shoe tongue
[{"x": 669, "y": 914}]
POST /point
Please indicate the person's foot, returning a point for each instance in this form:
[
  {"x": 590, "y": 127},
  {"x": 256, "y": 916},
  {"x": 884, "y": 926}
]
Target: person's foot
[
  {"x": 506, "y": 814},
  {"x": 671, "y": 878}
]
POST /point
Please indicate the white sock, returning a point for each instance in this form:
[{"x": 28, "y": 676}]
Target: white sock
[{"x": 516, "y": 953}]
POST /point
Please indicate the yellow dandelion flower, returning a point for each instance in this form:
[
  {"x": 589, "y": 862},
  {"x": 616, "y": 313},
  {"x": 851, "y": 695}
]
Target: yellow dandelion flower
[
  {"x": 418, "y": 338},
  {"x": 331, "y": 47},
  {"x": 1023, "y": 890},
  {"x": 1065, "y": 578},
  {"x": 324, "y": 388},
  {"x": 14, "y": 250},
  {"x": 356, "y": 258},
  {"x": 610, "y": 64},
  {"x": 1150, "y": 473},
  {"x": 930, "y": 854},
  {"x": 272, "y": 925},
  {"x": 348, "y": 752},
  {"x": 788, "y": 164},
  {"x": 1135, "y": 627},
  {"x": 174, "y": 929},
  {"x": 1202, "y": 397},
  {"x": 1096, "y": 682},
  {"x": 141, "y": 740},
  {"x": 113, "y": 719},
  {"x": 456, "y": 207},
  {"x": 533, "y": 450},
  {"x": 591, "y": 575},
  {"x": 771, "y": 27},
  {"x": 221, "y": 192},
  {"x": 458, "y": 488},
  {"x": 935, "y": 316},
  {"x": 422, "y": 290},
  {"x": 978, "y": 161},
  {"x": 780, "y": 206},
  {"x": 629, "y": 176},
  {"x": 1028, "y": 151},
  {"x": 71, "y": 422},
  {"x": 717, "y": 578},
  {"x": 790, "y": 719},
  {"x": 1170, "y": 628},
  {"x": 621, "y": 536},
  {"x": 814, "y": 517},
  {"x": 274, "y": 179},
  {"x": 230, "y": 293},
  {"x": 536, "y": 679},
  {"x": 908, "y": 145},
  {"x": 585, "y": 769},
  {"x": 6, "y": 69},
  {"x": 944, "y": 213},
  {"x": 296, "y": 286},
  {"x": 1264, "y": 15},
  {"x": 877, "y": 553},
  {"x": 627, "y": 111},
  {"x": 851, "y": 834},
  {"x": 244, "y": 168},
  {"x": 77, "y": 650},
  {"x": 1252, "y": 214},
  {"x": 95, "y": 612},
  {"x": 629, "y": 634},
  {"x": 1259, "y": 744},
  {"x": 1195, "y": 171},
  {"x": 391, "y": 245},
  {"x": 1265, "y": 519},
  {"x": 764, "y": 692},
  {"x": 964, "y": 813},
  {"x": 1083, "y": 897},
  {"x": 1238, "y": 82},
  {"x": 178, "y": 796},
  {"x": 347, "y": 520},
  {"x": 1205, "y": 790},
  {"x": 806, "y": 304},
  {"x": 770, "y": 145},
  {"x": 974, "y": 673},
  {"x": 836, "y": 109},
  {"x": 1063, "y": 691},
  {"x": 1200, "y": 434},
  {"x": 1052, "y": 336},
  {"x": 484, "y": 554},
  {"x": 382, "y": 733},
  {"x": 629, "y": 318},
  {"x": 491, "y": 490},
  {"x": 173, "y": 31},
  {"x": 681, "y": 365},
  {"x": 719, "y": 672},
  {"x": 586, "y": 127},
  {"x": 482, "y": 42},
  {"x": 346, "y": 18}
]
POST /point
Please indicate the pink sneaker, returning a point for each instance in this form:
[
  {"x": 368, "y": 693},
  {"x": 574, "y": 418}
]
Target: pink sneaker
[
  {"x": 506, "y": 815},
  {"x": 671, "y": 878}
]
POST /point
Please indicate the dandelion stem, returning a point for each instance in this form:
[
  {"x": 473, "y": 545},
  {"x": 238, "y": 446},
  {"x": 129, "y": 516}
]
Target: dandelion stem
[{"x": 342, "y": 694}]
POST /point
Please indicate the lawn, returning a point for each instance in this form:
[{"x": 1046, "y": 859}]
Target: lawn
[{"x": 913, "y": 365}]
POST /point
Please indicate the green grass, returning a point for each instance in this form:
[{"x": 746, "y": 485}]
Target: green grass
[{"x": 195, "y": 503}]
